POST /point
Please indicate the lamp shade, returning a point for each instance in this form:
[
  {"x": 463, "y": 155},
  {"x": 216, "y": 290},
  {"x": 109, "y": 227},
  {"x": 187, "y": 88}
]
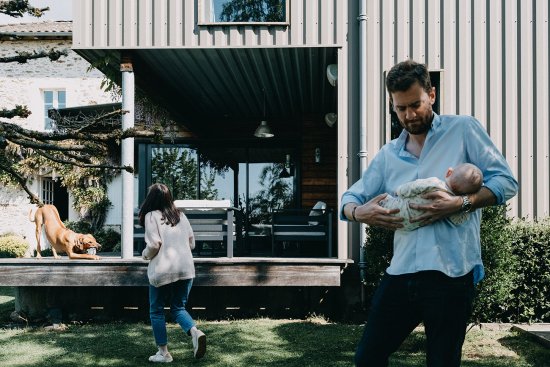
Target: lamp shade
[{"x": 263, "y": 131}]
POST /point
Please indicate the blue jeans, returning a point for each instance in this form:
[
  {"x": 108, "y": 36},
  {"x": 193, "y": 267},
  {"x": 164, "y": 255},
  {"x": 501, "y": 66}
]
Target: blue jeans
[
  {"x": 176, "y": 295},
  {"x": 401, "y": 302}
]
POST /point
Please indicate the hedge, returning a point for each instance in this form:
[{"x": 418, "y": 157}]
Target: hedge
[
  {"x": 516, "y": 256},
  {"x": 13, "y": 246}
]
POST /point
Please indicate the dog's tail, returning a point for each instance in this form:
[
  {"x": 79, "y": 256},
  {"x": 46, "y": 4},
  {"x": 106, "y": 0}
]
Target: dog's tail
[{"x": 32, "y": 214}]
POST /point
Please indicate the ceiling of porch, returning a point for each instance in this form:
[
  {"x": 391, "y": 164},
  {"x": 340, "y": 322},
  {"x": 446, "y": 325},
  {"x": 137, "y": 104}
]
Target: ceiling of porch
[{"x": 209, "y": 89}]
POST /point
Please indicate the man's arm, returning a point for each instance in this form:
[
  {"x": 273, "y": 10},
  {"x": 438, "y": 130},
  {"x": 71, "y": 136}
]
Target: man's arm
[
  {"x": 373, "y": 214},
  {"x": 443, "y": 205}
]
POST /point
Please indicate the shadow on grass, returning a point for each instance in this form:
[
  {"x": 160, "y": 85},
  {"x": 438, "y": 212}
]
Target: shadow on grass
[{"x": 532, "y": 352}]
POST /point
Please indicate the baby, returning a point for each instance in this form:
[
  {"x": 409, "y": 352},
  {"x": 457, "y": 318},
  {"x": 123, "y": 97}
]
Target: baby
[{"x": 463, "y": 179}]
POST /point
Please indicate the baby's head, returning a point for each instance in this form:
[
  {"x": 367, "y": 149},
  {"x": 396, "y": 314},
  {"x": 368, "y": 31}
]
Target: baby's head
[{"x": 465, "y": 178}]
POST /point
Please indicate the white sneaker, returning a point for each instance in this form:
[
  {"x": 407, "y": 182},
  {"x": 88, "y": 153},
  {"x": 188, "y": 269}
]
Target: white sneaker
[
  {"x": 161, "y": 358},
  {"x": 199, "y": 343}
]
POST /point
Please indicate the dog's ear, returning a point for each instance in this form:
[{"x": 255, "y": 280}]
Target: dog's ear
[{"x": 79, "y": 241}]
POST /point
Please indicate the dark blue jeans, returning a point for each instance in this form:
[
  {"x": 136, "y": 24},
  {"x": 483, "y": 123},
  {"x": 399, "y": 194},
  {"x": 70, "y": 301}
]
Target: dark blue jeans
[
  {"x": 175, "y": 295},
  {"x": 401, "y": 302}
]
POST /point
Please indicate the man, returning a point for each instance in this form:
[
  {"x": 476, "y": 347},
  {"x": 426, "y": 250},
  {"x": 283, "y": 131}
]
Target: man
[{"x": 433, "y": 270}]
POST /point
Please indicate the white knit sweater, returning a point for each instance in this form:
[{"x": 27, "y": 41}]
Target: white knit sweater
[{"x": 169, "y": 249}]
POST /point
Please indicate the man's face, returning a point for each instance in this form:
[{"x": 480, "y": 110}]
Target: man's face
[{"x": 414, "y": 109}]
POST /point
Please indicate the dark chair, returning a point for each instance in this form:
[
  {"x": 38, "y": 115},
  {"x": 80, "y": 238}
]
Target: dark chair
[{"x": 302, "y": 225}]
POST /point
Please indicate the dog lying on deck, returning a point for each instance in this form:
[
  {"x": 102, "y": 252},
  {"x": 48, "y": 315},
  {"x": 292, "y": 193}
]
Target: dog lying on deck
[{"x": 62, "y": 239}]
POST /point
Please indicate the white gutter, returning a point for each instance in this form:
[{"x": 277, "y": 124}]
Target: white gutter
[{"x": 363, "y": 153}]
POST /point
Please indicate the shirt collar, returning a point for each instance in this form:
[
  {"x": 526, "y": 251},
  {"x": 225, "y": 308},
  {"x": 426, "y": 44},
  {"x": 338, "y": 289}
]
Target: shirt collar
[{"x": 402, "y": 139}]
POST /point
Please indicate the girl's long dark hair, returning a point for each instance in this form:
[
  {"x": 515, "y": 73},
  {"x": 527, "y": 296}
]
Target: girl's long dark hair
[{"x": 160, "y": 198}]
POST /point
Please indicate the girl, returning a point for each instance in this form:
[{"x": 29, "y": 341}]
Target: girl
[{"x": 169, "y": 240}]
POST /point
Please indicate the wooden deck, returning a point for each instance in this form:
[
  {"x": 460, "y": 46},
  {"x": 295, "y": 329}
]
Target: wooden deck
[{"x": 220, "y": 272}]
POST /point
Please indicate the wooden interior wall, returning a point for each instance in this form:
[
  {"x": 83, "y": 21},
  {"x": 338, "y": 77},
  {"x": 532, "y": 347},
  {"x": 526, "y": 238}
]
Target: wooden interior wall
[{"x": 318, "y": 179}]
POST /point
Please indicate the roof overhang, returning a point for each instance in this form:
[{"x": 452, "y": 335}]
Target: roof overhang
[{"x": 222, "y": 89}]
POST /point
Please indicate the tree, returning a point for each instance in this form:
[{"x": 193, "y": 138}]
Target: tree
[
  {"x": 82, "y": 150},
  {"x": 253, "y": 11},
  {"x": 275, "y": 193}
]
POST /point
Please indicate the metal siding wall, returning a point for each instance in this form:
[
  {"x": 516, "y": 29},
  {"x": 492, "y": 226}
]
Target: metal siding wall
[
  {"x": 173, "y": 23},
  {"x": 495, "y": 59}
]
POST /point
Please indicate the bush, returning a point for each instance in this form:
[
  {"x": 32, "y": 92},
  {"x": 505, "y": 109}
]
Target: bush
[
  {"x": 494, "y": 292},
  {"x": 13, "y": 246},
  {"x": 79, "y": 226},
  {"x": 530, "y": 242},
  {"x": 109, "y": 239}
]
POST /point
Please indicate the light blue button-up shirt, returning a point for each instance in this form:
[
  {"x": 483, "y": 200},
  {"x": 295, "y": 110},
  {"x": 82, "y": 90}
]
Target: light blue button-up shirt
[{"x": 452, "y": 249}]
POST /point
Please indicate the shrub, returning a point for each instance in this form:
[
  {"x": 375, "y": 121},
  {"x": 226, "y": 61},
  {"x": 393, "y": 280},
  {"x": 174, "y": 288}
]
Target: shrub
[
  {"x": 530, "y": 242},
  {"x": 494, "y": 292},
  {"x": 378, "y": 253},
  {"x": 79, "y": 226},
  {"x": 13, "y": 246},
  {"x": 109, "y": 239}
]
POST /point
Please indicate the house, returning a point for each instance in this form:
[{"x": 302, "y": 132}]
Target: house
[
  {"x": 221, "y": 73},
  {"x": 42, "y": 84}
]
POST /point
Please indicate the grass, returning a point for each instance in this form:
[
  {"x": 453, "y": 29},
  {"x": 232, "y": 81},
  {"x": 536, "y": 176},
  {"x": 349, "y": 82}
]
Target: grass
[{"x": 252, "y": 342}]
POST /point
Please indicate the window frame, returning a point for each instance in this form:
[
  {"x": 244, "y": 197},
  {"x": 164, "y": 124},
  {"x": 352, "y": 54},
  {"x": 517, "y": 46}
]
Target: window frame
[
  {"x": 204, "y": 9},
  {"x": 47, "y": 190},
  {"x": 55, "y": 105}
]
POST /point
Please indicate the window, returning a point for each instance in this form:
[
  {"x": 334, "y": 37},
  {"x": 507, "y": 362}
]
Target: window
[
  {"x": 244, "y": 11},
  {"x": 250, "y": 178},
  {"x": 53, "y": 99},
  {"x": 395, "y": 128},
  {"x": 47, "y": 190}
]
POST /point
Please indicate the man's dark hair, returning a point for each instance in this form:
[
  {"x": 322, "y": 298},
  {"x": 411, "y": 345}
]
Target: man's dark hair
[{"x": 403, "y": 75}]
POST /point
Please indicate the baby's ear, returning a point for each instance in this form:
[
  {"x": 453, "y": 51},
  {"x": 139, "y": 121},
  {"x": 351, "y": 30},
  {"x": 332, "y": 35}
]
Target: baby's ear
[{"x": 449, "y": 172}]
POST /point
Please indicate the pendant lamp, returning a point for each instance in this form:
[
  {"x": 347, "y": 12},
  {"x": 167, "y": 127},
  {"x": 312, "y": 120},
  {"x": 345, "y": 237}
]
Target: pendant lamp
[{"x": 263, "y": 131}]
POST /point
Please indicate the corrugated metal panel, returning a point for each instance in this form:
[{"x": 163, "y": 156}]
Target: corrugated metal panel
[
  {"x": 175, "y": 23},
  {"x": 218, "y": 87},
  {"x": 495, "y": 65}
]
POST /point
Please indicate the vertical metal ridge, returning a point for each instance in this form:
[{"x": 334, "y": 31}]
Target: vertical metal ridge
[
  {"x": 426, "y": 33},
  {"x": 503, "y": 92},
  {"x": 411, "y": 30},
  {"x": 519, "y": 135},
  {"x": 137, "y": 23},
  {"x": 92, "y": 30},
  {"x": 488, "y": 63},
  {"x": 473, "y": 57},
  {"x": 153, "y": 23},
  {"x": 535, "y": 107},
  {"x": 442, "y": 33},
  {"x": 122, "y": 24},
  {"x": 394, "y": 31},
  {"x": 108, "y": 35},
  {"x": 457, "y": 57},
  {"x": 167, "y": 22}
]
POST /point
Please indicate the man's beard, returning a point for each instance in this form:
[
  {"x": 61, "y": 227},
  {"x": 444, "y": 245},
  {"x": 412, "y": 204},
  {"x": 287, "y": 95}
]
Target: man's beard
[{"x": 420, "y": 126}]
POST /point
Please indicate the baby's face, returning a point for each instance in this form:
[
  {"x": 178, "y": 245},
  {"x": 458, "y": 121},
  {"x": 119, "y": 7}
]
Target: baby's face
[{"x": 460, "y": 184}]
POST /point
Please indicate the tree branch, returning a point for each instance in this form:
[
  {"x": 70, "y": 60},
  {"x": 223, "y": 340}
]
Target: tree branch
[
  {"x": 23, "y": 57},
  {"x": 83, "y": 165},
  {"x": 18, "y": 111},
  {"x": 23, "y": 183},
  {"x": 18, "y": 8}
]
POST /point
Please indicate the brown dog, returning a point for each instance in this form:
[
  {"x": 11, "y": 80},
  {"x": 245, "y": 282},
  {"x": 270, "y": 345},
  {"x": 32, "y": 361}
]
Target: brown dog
[{"x": 60, "y": 237}]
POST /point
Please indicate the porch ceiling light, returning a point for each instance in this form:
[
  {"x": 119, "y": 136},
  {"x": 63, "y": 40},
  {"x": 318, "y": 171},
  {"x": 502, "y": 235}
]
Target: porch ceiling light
[{"x": 263, "y": 131}]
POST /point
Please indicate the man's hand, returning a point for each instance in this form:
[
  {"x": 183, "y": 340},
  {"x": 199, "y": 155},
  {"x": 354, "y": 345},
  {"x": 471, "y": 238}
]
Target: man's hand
[
  {"x": 373, "y": 214},
  {"x": 441, "y": 205}
]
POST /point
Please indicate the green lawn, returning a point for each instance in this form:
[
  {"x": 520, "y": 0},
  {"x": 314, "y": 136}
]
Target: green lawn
[{"x": 254, "y": 342}]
